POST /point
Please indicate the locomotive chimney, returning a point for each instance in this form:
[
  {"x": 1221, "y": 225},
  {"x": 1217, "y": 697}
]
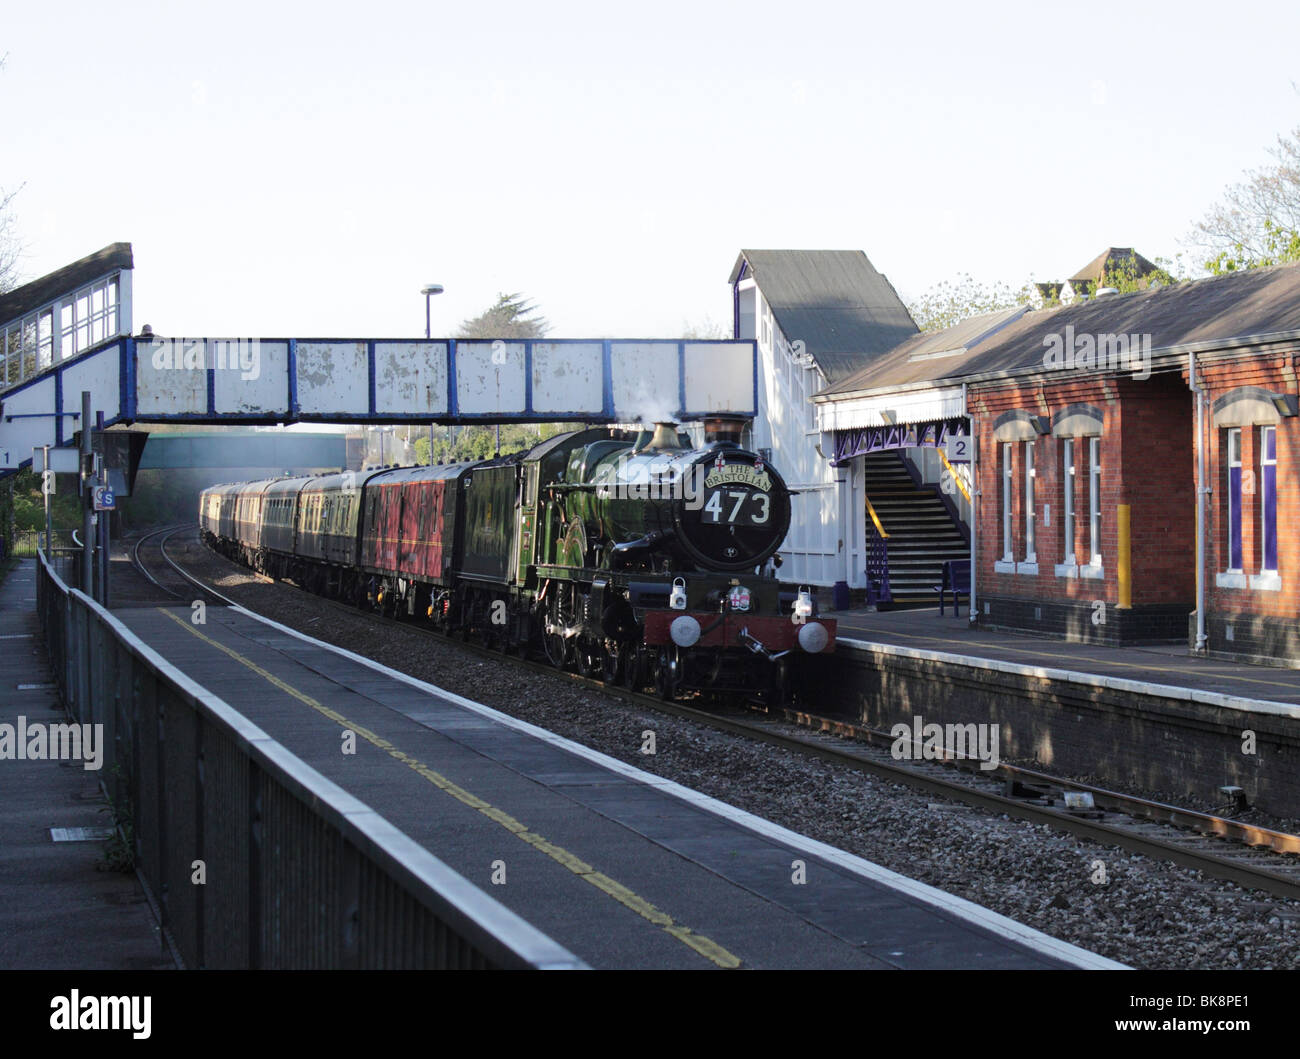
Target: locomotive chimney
[
  {"x": 725, "y": 429},
  {"x": 665, "y": 436}
]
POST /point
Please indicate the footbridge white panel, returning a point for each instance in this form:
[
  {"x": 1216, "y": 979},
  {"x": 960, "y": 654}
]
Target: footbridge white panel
[{"x": 355, "y": 380}]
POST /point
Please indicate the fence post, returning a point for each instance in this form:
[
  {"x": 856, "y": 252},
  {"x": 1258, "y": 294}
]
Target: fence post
[
  {"x": 254, "y": 866},
  {"x": 200, "y": 779},
  {"x": 160, "y": 756}
]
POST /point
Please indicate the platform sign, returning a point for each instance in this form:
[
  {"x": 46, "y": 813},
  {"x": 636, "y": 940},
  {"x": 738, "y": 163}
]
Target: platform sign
[
  {"x": 105, "y": 500},
  {"x": 62, "y": 460},
  {"x": 957, "y": 448}
]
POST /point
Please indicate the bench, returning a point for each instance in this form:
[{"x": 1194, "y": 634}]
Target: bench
[{"x": 956, "y": 579}]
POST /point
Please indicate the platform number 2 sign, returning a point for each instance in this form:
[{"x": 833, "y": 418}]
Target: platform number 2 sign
[{"x": 957, "y": 448}]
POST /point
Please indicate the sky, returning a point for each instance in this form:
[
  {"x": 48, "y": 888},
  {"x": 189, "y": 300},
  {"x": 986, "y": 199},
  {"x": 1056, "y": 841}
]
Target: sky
[{"x": 303, "y": 170}]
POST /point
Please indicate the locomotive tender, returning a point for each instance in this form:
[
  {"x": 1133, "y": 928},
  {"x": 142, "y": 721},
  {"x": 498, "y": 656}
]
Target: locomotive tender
[{"x": 635, "y": 558}]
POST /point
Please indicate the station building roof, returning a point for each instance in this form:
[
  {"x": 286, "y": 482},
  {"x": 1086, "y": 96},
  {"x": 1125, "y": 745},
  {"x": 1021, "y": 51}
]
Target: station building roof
[
  {"x": 1236, "y": 309},
  {"x": 22, "y": 300},
  {"x": 834, "y": 301}
]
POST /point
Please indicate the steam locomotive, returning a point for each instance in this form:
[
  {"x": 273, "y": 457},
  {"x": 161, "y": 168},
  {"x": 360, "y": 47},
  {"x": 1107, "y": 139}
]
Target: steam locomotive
[{"x": 633, "y": 557}]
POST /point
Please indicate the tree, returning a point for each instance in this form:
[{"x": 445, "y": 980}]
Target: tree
[
  {"x": 510, "y": 317},
  {"x": 1277, "y": 246},
  {"x": 948, "y": 303},
  {"x": 1124, "y": 277},
  {"x": 708, "y": 328},
  {"x": 10, "y": 247},
  {"x": 1258, "y": 221},
  {"x": 479, "y": 442}
]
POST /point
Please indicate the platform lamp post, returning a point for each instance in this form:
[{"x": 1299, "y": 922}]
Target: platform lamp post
[{"x": 429, "y": 290}]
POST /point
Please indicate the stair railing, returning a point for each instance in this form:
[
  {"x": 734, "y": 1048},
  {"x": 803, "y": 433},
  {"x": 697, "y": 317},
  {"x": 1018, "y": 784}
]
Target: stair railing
[
  {"x": 876, "y": 519},
  {"x": 955, "y": 476},
  {"x": 877, "y": 560}
]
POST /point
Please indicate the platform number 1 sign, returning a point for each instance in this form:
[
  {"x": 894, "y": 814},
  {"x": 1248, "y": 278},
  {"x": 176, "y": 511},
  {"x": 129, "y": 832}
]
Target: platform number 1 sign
[{"x": 957, "y": 448}]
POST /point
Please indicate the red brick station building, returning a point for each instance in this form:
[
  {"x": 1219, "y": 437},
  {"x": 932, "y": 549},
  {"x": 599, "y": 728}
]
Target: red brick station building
[{"x": 1093, "y": 425}]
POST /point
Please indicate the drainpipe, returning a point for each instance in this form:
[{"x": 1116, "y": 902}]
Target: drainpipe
[
  {"x": 1199, "y": 392},
  {"x": 974, "y": 496}
]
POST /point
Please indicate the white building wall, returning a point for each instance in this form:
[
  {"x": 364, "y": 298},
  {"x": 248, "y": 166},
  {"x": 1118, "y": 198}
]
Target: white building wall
[{"x": 815, "y": 550}]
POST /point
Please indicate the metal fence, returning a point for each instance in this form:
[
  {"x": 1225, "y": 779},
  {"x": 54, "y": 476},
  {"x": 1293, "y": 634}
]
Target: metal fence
[
  {"x": 26, "y": 543},
  {"x": 297, "y": 872}
]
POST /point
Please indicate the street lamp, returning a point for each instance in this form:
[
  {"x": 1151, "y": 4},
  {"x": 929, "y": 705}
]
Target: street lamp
[
  {"x": 429, "y": 290},
  {"x": 384, "y": 432}
]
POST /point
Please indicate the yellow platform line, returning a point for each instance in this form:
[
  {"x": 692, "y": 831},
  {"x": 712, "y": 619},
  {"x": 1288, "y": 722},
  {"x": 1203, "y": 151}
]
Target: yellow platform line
[{"x": 707, "y": 948}]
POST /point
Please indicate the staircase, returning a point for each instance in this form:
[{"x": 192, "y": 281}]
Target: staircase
[{"x": 922, "y": 533}]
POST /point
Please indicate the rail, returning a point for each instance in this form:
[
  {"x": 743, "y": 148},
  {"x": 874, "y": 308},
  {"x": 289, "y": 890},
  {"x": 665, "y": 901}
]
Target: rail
[
  {"x": 876, "y": 519},
  {"x": 296, "y": 872}
]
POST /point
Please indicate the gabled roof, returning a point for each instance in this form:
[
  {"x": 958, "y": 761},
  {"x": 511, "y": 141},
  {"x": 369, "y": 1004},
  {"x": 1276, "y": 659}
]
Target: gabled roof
[
  {"x": 22, "y": 300},
  {"x": 1219, "y": 311},
  {"x": 1112, "y": 258},
  {"x": 834, "y": 301}
]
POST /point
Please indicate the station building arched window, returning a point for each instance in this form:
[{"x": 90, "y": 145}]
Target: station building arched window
[
  {"x": 1077, "y": 430},
  {"x": 1246, "y": 420}
]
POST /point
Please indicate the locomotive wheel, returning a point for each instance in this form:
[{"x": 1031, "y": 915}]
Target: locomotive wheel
[
  {"x": 517, "y": 636},
  {"x": 779, "y": 693},
  {"x": 633, "y": 666},
  {"x": 466, "y": 612},
  {"x": 498, "y": 637},
  {"x": 557, "y": 649},
  {"x": 666, "y": 676},
  {"x": 554, "y": 644},
  {"x": 613, "y": 663},
  {"x": 590, "y": 658},
  {"x": 563, "y": 651}
]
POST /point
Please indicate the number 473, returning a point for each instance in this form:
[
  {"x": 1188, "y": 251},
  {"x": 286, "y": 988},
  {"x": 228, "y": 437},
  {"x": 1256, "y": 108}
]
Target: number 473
[{"x": 717, "y": 513}]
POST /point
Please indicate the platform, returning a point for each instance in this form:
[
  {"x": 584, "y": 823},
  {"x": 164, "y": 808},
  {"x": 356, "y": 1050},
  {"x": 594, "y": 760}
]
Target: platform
[
  {"x": 1164, "y": 665},
  {"x": 57, "y": 909},
  {"x": 624, "y": 869}
]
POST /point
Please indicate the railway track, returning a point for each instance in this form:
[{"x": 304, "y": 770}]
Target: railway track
[
  {"x": 168, "y": 577},
  {"x": 1246, "y": 854}
]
